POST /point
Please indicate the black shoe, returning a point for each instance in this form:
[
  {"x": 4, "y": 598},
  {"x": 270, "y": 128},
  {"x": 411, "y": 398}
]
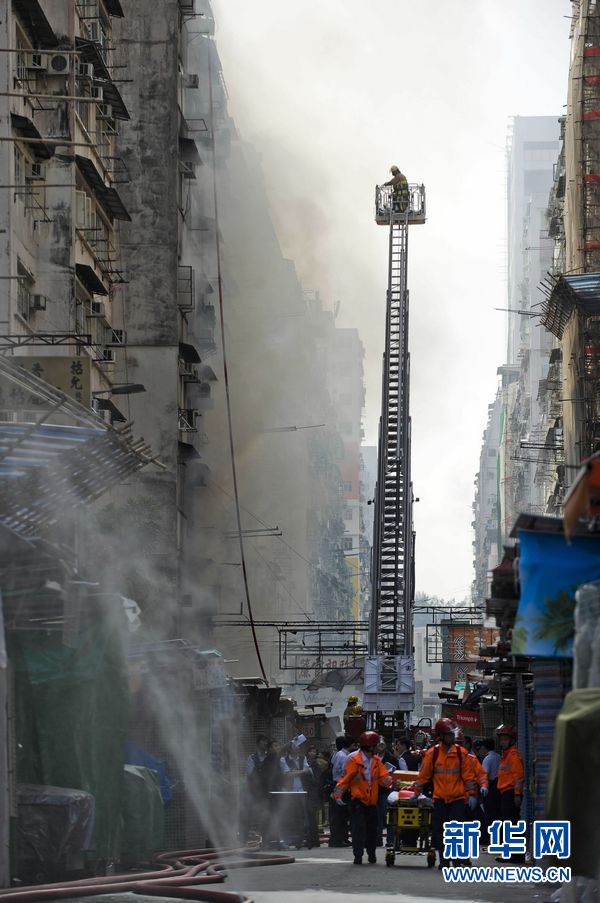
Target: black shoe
[
  {"x": 358, "y": 860},
  {"x": 372, "y": 860}
]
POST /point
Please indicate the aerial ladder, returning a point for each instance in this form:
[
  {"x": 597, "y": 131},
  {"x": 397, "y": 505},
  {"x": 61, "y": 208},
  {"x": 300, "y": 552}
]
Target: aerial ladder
[{"x": 389, "y": 666}]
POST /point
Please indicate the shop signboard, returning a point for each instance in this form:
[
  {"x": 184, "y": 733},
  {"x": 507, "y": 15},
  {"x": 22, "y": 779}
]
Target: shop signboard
[
  {"x": 70, "y": 375},
  {"x": 467, "y": 718}
]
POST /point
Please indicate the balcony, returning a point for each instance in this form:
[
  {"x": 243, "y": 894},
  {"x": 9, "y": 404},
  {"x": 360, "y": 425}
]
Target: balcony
[{"x": 187, "y": 420}]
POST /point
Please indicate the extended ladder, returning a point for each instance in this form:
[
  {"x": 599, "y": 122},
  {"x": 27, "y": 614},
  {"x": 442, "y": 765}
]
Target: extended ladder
[{"x": 390, "y": 631}]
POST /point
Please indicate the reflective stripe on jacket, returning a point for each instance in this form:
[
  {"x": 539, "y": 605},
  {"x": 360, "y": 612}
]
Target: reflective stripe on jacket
[
  {"x": 356, "y": 782},
  {"x": 451, "y": 772},
  {"x": 511, "y": 772}
]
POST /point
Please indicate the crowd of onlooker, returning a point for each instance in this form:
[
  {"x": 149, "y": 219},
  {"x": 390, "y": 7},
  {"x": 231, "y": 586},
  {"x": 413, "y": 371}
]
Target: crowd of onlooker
[
  {"x": 290, "y": 785},
  {"x": 290, "y": 788}
]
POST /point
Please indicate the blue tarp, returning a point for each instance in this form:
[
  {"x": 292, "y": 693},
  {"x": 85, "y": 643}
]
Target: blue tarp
[{"x": 550, "y": 571}]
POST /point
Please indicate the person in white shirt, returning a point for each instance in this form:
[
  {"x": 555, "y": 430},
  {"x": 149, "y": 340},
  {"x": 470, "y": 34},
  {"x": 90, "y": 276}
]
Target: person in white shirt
[
  {"x": 338, "y": 815},
  {"x": 490, "y": 764},
  {"x": 294, "y": 766}
]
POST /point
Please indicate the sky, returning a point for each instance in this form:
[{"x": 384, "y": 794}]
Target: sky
[{"x": 331, "y": 93}]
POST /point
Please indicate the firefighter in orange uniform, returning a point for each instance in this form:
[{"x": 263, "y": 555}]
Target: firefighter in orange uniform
[
  {"x": 479, "y": 775},
  {"x": 365, "y": 772},
  {"x": 511, "y": 774},
  {"x": 449, "y": 768}
]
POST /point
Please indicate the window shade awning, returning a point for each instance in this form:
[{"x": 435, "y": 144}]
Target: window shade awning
[
  {"x": 188, "y": 353},
  {"x": 107, "y": 197},
  {"x": 27, "y": 127},
  {"x": 88, "y": 278}
]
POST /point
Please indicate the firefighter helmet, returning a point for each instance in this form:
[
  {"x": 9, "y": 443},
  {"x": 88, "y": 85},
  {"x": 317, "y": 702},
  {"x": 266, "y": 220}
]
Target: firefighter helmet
[
  {"x": 352, "y": 700},
  {"x": 368, "y": 740},
  {"x": 506, "y": 730},
  {"x": 443, "y": 726}
]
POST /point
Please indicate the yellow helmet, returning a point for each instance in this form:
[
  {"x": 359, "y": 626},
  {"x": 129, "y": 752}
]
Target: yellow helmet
[
  {"x": 357, "y": 710},
  {"x": 353, "y": 700},
  {"x": 394, "y": 169}
]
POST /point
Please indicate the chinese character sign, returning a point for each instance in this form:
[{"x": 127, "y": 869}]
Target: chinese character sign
[{"x": 70, "y": 375}]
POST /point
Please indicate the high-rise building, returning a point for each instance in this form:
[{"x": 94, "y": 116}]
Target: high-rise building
[{"x": 521, "y": 446}]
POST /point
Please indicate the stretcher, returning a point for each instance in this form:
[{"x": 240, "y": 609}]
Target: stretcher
[{"x": 409, "y": 831}]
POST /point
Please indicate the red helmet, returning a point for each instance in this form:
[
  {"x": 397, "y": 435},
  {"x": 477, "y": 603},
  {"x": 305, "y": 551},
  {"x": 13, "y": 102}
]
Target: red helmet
[
  {"x": 507, "y": 730},
  {"x": 368, "y": 739},
  {"x": 443, "y": 726}
]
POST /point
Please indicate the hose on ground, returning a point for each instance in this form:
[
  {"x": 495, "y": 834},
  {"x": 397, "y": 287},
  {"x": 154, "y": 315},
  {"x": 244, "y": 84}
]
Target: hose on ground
[{"x": 180, "y": 873}]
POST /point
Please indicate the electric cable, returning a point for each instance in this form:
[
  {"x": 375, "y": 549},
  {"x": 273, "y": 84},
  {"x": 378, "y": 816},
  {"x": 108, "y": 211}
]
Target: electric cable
[{"x": 226, "y": 378}]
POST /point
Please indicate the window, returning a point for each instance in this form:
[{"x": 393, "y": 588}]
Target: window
[
  {"x": 347, "y": 513},
  {"x": 346, "y": 486},
  {"x": 25, "y": 283},
  {"x": 347, "y": 543},
  {"x": 19, "y": 160}
]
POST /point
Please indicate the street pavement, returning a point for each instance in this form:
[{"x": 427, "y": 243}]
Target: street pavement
[{"x": 329, "y": 876}]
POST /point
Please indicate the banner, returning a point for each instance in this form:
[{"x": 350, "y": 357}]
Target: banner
[{"x": 550, "y": 572}]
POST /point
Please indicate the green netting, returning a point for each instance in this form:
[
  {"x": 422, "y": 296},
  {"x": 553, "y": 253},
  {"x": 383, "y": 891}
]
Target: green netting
[
  {"x": 143, "y": 815},
  {"x": 71, "y": 717},
  {"x": 573, "y": 792}
]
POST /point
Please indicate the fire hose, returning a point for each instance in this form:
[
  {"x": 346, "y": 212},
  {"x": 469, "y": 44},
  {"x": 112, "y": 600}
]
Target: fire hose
[{"x": 179, "y": 873}]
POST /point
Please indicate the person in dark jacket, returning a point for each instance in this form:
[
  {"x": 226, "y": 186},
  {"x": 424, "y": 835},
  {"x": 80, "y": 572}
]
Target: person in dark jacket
[{"x": 404, "y": 750}]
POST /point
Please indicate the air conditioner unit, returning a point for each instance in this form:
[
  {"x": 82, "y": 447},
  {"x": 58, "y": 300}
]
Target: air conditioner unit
[
  {"x": 104, "y": 111},
  {"x": 98, "y": 93},
  {"x": 37, "y": 302},
  {"x": 187, "y": 169},
  {"x": 36, "y": 172},
  {"x": 191, "y": 80},
  {"x": 97, "y": 309},
  {"x": 36, "y": 61},
  {"x": 58, "y": 64},
  {"x": 108, "y": 355},
  {"x": 188, "y": 371},
  {"x": 85, "y": 70},
  {"x": 116, "y": 337},
  {"x": 94, "y": 30}
]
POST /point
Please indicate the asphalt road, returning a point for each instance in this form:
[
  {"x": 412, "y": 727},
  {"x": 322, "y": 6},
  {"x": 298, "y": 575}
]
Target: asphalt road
[{"x": 329, "y": 876}]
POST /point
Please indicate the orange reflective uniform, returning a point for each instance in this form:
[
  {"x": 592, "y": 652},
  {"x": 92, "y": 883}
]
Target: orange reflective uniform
[
  {"x": 355, "y": 779},
  {"x": 511, "y": 772},
  {"x": 452, "y": 773}
]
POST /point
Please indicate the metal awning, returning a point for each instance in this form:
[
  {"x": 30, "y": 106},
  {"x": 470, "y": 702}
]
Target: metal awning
[
  {"x": 36, "y": 24},
  {"x": 107, "y": 197},
  {"x": 113, "y": 8},
  {"x": 89, "y": 52},
  {"x": 88, "y": 278},
  {"x": 206, "y": 372},
  {"x": 188, "y": 151},
  {"x": 105, "y": 404},
  {"x": 47, "y": 467},
  {"x": 27, "y": 127},
  {"x": 564, "y": 295},
  {"x": 188, "y": 452},
  {"x": 188, "y": 353}
]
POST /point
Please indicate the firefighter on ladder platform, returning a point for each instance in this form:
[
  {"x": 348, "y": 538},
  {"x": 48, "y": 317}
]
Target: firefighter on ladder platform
[
  {"x": 449, "y": 768},
  {"x": 400, "y": 193}
]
